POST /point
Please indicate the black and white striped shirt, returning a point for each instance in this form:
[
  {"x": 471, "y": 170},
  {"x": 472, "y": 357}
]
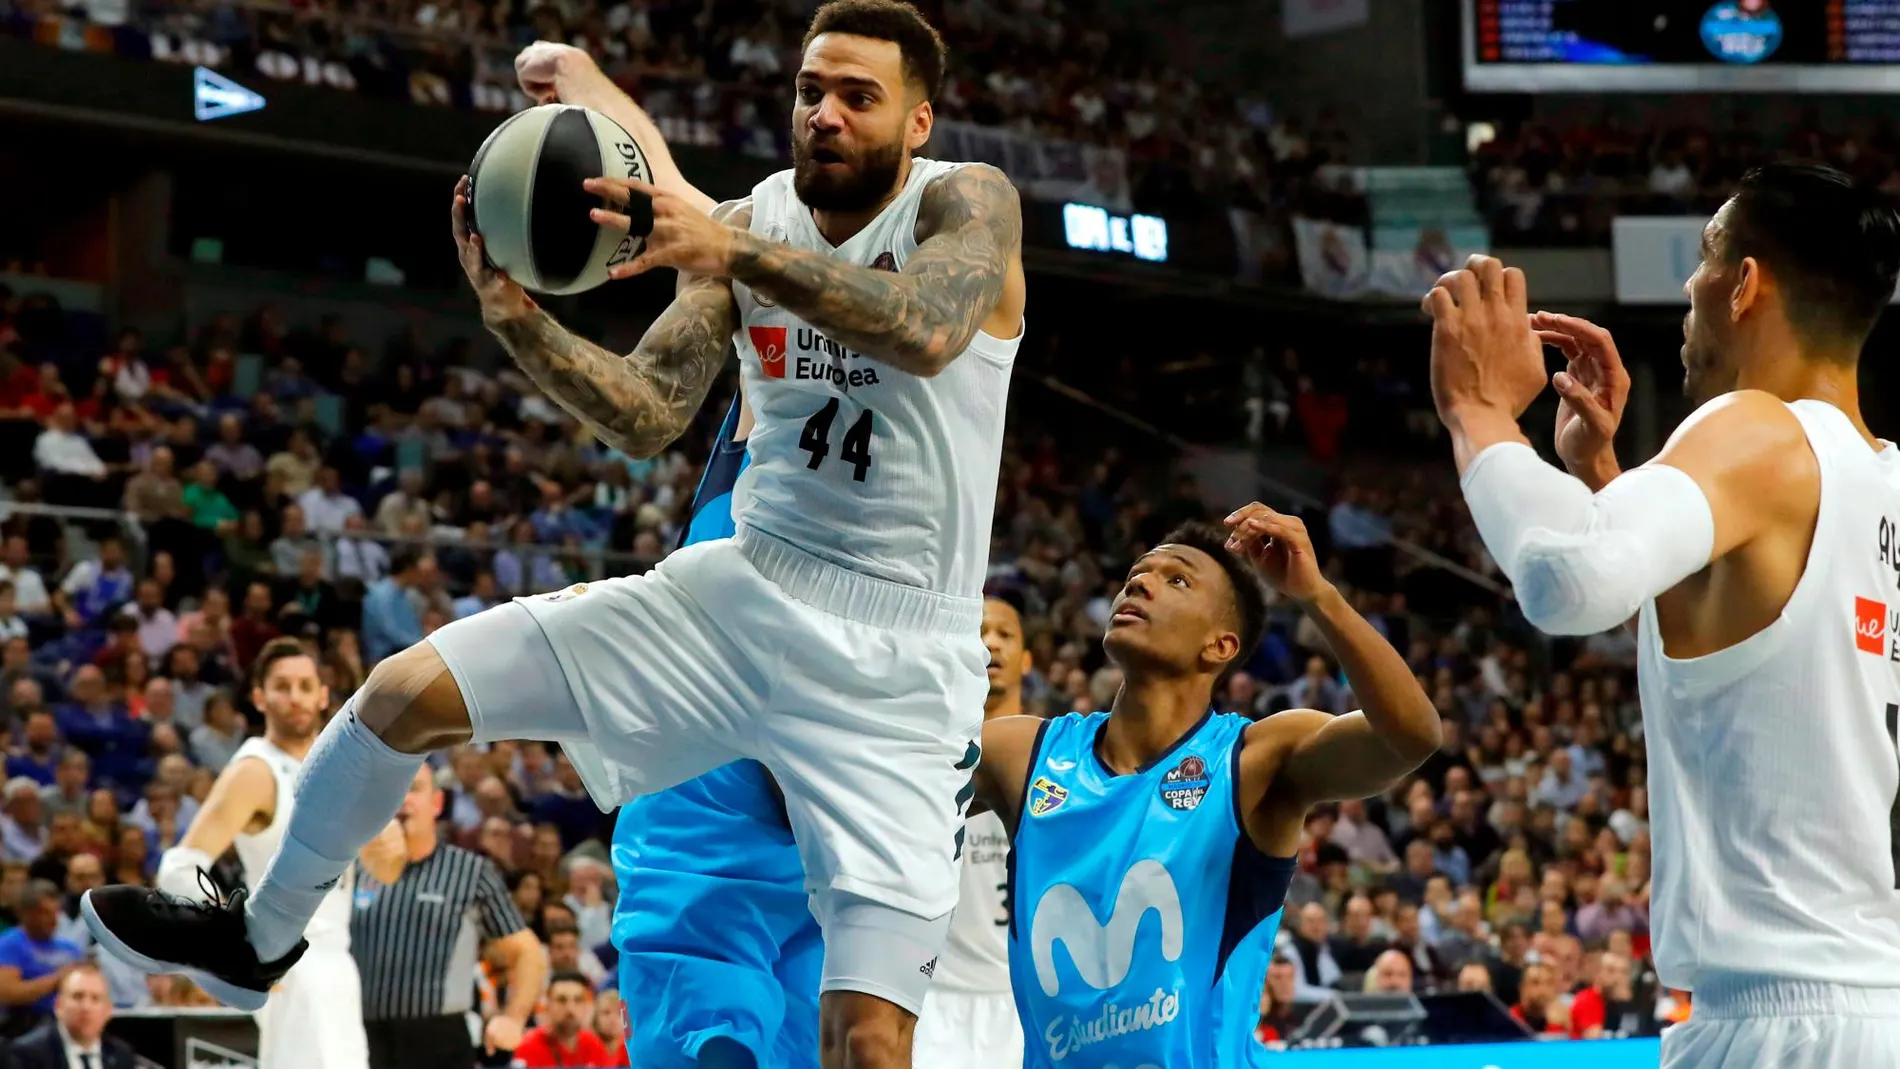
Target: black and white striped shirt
[{"x": 416, "y": 941}]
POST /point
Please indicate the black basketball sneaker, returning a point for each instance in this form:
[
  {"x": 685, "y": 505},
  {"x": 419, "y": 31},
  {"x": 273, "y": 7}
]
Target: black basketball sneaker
[{"x": 206, "y": 941}]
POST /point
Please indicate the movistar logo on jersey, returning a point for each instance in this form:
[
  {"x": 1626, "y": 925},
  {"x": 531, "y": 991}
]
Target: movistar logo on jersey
[{"x": 1103, "y": 953}]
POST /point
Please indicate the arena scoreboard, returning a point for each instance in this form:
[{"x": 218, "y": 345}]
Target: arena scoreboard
[{"x": 1681, "y": 46}]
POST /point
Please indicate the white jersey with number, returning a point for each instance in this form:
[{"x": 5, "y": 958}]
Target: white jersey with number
[
  {"x": 976, "y": 959},
  {"x": 330, "y": 928},
  {"x": 853, "y": 460},
  {"x": 1774, "y": 772}
]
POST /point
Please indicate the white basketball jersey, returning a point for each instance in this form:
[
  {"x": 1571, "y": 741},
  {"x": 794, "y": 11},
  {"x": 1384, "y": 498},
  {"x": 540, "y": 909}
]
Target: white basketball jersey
[
  {"x": 976, "y": 959},
  {"x": 852, "y": 460},
  {"x": 330, "y": 928},
  {"x": 1774, "y": 772}
]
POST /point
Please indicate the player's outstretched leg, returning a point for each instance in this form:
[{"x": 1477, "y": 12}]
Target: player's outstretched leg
[{"x": 352, "y": 783}]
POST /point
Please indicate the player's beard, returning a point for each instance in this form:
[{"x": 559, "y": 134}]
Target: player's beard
[
  {"x": 294, "y": 727},
  {"x": 860, "y": 189}
]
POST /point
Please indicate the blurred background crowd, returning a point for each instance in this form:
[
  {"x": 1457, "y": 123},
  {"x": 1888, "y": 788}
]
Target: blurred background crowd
[
  {"x": 215, "y": 440},
  {"x": 253, "y": 478}
]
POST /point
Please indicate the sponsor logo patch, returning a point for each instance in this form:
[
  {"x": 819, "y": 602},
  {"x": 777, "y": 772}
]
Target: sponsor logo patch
[
  {"x": 770, "y": 343},
  {"x": 1185, "y": 784},
  {"x": 1870, "y": 626}
]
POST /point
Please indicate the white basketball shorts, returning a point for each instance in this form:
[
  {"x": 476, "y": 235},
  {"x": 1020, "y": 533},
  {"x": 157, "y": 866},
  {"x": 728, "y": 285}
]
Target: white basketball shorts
[
  {"x": 863, "y": 697},
  {"x": 314, "y": 1019},
  {"x": 965, "y": 1030},
  {"x": 1760, "y": 1023}
]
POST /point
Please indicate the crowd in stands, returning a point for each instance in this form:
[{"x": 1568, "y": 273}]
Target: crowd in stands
[
  {"x": 1562, "y": 182},
  {"x": 256, "y": 479},
  {"x": 1516, "y": 861},
  {"x": 717, "y": 73}
]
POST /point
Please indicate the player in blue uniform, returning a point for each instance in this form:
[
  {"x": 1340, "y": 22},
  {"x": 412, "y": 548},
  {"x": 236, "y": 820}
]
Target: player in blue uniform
[
  {"x": 719, "y": 957},
  {"x": 1153, "y": 843}
]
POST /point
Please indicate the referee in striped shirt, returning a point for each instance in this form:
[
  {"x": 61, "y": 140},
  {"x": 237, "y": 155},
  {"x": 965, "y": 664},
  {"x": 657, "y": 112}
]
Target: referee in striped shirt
[{"x": 417, "y": 944}]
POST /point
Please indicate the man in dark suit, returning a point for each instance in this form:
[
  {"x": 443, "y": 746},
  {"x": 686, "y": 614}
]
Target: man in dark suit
[{"x": 76, "y": 1036}]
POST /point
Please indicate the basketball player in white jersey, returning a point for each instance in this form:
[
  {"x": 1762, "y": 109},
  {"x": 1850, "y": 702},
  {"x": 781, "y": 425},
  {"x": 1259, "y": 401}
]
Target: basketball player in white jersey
[
  {"x": 314, "y": 1018},
  {"x": 1758, "y": 552},
  {"x": 876, "y": 302},
  {"x": 969, "y": 1019}
]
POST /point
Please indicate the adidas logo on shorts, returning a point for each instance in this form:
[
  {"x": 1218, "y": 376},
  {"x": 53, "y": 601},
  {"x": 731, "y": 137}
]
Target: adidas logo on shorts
[{"x": 929, "y": 968}]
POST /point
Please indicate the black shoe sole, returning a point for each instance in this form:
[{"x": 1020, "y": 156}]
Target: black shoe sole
[{"x": 238, "y": 998}]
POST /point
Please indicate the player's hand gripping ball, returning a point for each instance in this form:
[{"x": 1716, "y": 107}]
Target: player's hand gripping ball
[
  {"x": 530, "y": 210},
  {"x": 678, "y": 234}
]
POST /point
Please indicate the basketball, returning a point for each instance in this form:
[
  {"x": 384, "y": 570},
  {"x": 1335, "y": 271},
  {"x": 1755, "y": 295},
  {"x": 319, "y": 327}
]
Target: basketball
[{"x": 529, "y": 207}]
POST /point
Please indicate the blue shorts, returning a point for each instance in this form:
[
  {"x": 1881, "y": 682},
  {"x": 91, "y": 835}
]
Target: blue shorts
[{"x": 714, "y": 934}]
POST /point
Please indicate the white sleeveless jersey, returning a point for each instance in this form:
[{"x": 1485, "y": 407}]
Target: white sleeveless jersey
[
  {"x": 852, "y": 460},
  {"x": 1774, "y": 771},
  {"x": 976, "y": 959},
  {"x": 330, "y": 928}
]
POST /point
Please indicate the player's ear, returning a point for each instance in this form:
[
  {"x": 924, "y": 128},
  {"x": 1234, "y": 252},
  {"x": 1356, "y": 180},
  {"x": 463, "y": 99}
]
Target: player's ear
[
  {"x": 1222, "y": 649},
  {"x": 918, "y": 126},
  {"x": 1749, "y": 281}
]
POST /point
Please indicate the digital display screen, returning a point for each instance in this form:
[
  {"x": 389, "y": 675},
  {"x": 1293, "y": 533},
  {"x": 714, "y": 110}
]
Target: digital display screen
[
  {"x": 1832, "y": 46},
  {"x": 1092, "y": 229}
]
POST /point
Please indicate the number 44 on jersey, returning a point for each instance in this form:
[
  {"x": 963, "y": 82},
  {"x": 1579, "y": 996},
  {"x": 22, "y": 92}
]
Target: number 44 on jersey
[{"x": 855, "y": 447}]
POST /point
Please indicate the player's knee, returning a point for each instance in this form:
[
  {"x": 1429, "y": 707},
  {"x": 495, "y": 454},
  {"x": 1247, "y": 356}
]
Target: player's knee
[
  {"x": 412, "y": 702},
  {"x": 863, "y": 1032}
]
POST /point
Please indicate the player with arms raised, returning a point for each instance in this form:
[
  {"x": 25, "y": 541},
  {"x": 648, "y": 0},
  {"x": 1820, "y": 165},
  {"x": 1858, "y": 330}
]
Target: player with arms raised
[
  {"x": 1757, "y": 551},
  {"x": 1162, "y": 805},
  {"x": 877, "y": 303}
]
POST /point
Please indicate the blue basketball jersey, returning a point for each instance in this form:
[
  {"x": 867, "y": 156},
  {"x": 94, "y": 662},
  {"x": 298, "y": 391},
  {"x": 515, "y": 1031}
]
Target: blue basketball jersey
[
  {"x": 1142, "y": 915},
  {"x": 712, "y": 501},
  {"x": 712, "y": 926}
]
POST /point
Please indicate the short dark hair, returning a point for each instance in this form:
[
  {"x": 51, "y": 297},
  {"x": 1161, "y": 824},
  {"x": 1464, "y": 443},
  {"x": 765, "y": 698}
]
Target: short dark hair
[
  {"x": 278, "y": 649},
  {"x": 1009, "y": 596},
  {"x": 1250, "y": 595},
  {"x": 569, "y": 976},
  {"x": 888, "y": 20},
  {"x": 1833, "y": 245},
  {"x": 404, "y": 559},
  {"x": 37, "y": 891}
]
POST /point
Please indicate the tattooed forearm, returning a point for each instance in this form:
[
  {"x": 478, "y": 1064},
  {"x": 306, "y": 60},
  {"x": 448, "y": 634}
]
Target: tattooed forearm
[
  {"x": 970, "y": 228},
  {"x": 638, "y": 403}
]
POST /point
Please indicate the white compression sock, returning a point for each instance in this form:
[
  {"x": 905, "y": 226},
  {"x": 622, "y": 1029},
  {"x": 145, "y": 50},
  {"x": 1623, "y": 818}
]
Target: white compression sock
[{"x": 351, "y": 785}]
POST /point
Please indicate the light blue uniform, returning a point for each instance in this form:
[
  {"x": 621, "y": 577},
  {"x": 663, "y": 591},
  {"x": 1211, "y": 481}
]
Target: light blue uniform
[
  {"x": 1142, "y": 916},
  {"x": 712, "y": 926}
]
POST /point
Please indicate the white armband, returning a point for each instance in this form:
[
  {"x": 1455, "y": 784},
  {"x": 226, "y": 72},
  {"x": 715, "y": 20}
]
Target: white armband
[
  {"x": 178, "y": 872},
  {"x": 1581, "y": 562}
]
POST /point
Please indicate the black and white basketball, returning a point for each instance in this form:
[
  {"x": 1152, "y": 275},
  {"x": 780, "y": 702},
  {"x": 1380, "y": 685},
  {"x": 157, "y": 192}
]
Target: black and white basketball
[{"x": 530, "y": 209}]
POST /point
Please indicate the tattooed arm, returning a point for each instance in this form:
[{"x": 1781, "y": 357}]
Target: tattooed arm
[
  {"x": 969, "y": 229},
  {"x": 638, "y": 403}
]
